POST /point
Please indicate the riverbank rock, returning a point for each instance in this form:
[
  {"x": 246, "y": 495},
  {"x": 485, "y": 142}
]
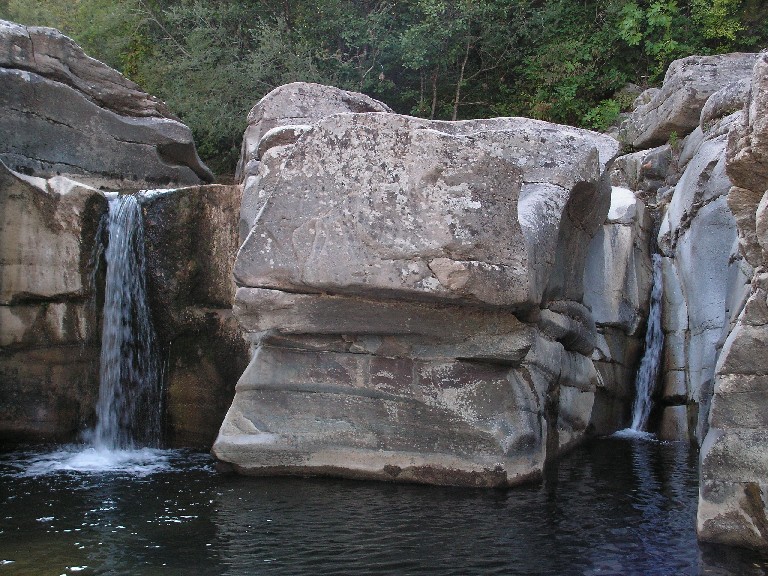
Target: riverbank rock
[
  {"x": 64, "y": 113},
  {"x": 617, "y": 285},
  {"x": 49, "y": 321},
  {"x": 686, "y": 184},
  {"x": 412, "y": 290},
  {"x": 733, "y": 507}
]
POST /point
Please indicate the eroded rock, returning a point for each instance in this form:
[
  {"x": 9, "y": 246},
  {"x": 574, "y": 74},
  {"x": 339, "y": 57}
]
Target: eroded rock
[
  {"x": 617, "y": 282},
  {"x": 190, "y": 245},
  {"x": 412, "y": 290},
  {"x": 49, "y": 323},
  {"x": 732, "y": 502},
  {"x": 677, "y": 106}
]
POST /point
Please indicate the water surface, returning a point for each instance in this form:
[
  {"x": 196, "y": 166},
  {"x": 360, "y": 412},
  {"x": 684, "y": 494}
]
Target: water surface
[{"x": 616, "y": 506}]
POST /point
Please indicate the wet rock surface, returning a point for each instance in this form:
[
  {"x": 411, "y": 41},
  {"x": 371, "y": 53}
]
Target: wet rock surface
[
  {"x": 70, "y": 124},
  {"x": 191, "y": 242}
]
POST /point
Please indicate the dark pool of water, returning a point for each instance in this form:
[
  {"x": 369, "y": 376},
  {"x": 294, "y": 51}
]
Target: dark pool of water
[{"x": 616, "y": 506}]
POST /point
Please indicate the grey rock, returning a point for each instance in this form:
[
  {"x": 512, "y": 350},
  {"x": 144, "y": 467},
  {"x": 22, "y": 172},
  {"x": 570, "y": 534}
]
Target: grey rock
[
  {"x": 674, "y": 423},
  {"x": 748, "y": 141},
  {"x": 299, "y": 103},
  {"x": 677, "y": 106},
  {"x": 480, "y": 186},
  {"x": 63, "y": 113},
  {"x": 729, "y": 99},
  {"x": 732, "y": 507},
  {"x": 412, "y": 292},
  {"x": 617, "y": 281}
]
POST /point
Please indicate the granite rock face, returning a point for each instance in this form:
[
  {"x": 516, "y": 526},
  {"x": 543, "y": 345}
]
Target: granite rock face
[
  {"x": 413, "y": 294},
  {"x": 690, "y": 195},
  {"x": 281, "y": 116},
  {"x": 49, "y": 322},
  {"x": 733, "y": 503},
  {"x": 688, "y": 84},
  {"x": 617, "y": 284},
  {"x": 710, "y": 204},
  {"x": 64, "y": 113}
]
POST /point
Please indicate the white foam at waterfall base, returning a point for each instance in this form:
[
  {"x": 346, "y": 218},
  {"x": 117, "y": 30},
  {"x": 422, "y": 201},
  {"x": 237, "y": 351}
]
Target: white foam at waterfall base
[
  {"x": 97, "y": 460},
  {"x": 632, "y": 434}
]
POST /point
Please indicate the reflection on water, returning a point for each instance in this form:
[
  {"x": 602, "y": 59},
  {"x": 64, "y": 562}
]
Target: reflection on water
[{"x": 617, "y": 506}]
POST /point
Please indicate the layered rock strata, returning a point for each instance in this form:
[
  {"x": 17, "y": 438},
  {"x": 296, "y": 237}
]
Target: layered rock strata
[
  {"x": 413, "y": 292},
  {"x": 64, "y": 113}
]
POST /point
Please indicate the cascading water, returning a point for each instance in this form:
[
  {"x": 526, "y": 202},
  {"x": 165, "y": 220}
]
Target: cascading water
[
  {"x": 647, "y": 374},
  {"x": 129, "y": 406}
]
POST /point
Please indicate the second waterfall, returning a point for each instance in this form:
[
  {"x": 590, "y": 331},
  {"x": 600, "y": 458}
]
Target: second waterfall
[{"x": 647, "y": 374}]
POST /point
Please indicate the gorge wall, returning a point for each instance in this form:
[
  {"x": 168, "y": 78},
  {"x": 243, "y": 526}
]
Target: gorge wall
[
  {"x": 438, "y": 302},
  {"x": 707, "y": 186}
]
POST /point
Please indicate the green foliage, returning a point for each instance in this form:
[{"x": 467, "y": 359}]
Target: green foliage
[
  {"x": 655, "y": 30},
  {"x": 557, "y": 60},
  {"x": 601, "y": 116},
  {"x": 718, "y": 21},
  {"x": 674, "y": 141}
]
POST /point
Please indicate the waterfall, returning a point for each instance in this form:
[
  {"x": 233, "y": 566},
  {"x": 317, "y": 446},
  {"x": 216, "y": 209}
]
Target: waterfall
[
  {"x": 129, "y": 406},
  {"x": 647, "y": 373}
]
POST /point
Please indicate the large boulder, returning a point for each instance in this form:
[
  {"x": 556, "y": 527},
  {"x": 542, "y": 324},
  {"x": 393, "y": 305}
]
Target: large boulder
[
  {"x": 276, "y": 122},
  {"x": 287, "y": 111},
  {"x": 64, "y": 113},
  {"x": 677, "y": 106},
  {"x": 478, "y": 216},
  {"x": 412, "y": 290},
  {"x": 49, "y": 322}
]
